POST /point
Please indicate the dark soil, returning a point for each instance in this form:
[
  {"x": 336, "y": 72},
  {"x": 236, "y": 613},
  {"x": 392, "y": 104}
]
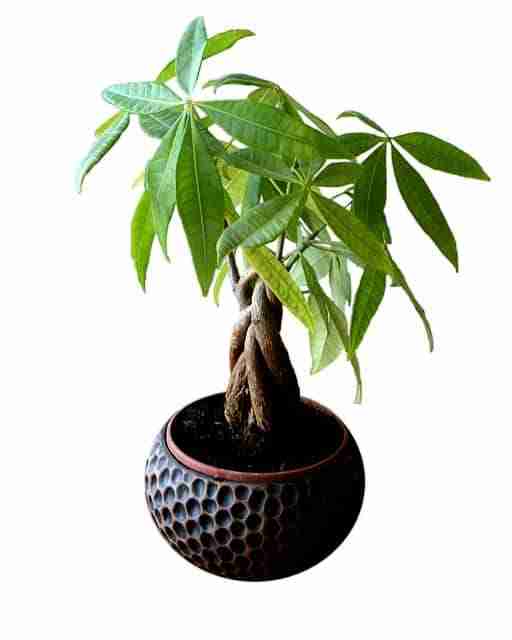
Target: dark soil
[{"x": 202, "y": 432}]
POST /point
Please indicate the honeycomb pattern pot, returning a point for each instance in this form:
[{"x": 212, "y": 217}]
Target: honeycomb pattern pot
[{"x": 254, "y": 526}]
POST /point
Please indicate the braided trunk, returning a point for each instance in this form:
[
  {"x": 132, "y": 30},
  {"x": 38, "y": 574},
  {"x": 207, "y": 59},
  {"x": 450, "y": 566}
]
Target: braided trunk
[{"x": 263, "y": 396}]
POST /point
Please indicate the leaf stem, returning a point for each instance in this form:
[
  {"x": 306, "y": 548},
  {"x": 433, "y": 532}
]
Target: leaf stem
[{"x": 295, "y": 255}]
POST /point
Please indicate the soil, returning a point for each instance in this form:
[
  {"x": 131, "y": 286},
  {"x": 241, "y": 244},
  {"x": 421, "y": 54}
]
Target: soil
[{"x": 201, "y": 431}]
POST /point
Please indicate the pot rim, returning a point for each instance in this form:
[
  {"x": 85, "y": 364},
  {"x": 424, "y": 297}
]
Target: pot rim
[{"x": 220, "y": 473}]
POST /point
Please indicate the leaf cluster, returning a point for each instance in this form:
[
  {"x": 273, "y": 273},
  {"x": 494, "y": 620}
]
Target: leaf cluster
[{"x": 266, "y": 178}]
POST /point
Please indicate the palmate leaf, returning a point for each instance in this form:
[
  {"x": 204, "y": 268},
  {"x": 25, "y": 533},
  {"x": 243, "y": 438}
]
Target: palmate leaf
[
  {"x": 158, "y": 124},
  {"x": 274, "y": 274},
  {"x": 200, "y": 199},
  {"x": 370, "y": 189},
  {"x": 340, "y": 282},
  {"x": 260, "y": 163},
  {"x": 161, "y": 179},
  {"x": 260, "y": 225},
  {"x": 329, "y": 320},
  {"x": 141, "y": 97},
  {"x": 190, "y": 55},
  {"x": 354, "y": 233},
  {"x": 360, "y": 116},
  {"x": 268, "y": 129},
  {"x": 359, "y": 143},
  {"x": 100, "y": 148},
  {"x": 338, "y": 174},
  {"x": 368, "y": 298},
  {"x": 215, "y": 44},
  {"x": 142, "y": 236},
  {"x": 441, "y": 155},
  {"x": 424, "y": 207}
]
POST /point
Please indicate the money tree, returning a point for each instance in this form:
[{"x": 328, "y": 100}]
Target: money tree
[{"x": 272, "y": 196}]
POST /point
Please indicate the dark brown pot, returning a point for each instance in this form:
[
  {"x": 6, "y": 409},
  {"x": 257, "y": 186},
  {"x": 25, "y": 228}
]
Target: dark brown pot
[{"x": 254, "y": 526}]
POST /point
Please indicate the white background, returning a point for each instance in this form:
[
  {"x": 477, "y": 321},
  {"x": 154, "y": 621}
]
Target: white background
[{"x": 91, "y": 367}]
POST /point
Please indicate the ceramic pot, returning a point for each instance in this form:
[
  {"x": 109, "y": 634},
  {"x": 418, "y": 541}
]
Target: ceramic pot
[{"x": 254, "y": 526}]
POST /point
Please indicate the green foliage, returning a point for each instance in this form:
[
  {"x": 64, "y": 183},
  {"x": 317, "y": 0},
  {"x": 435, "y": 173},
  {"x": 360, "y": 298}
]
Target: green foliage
[
  {"x": 259, "y": 193},
  {"x": 190, "y": 55},
  {"x": 200, "y": 198},
  {"x": 141, "y": 97},
  {"x": 278, "y": 278},
  {"x": 260, "y": 224},
  {"x": 369, "y": 295},
  {"x": 100, "y": 148},
  {"x": 441, "y": 155},
  {"x": 143, "y": 234},
  {"x": 269, "y": 129},
  {"x": 160, "y": 179},
  {"x": 338, "y": 174},
  {"x": 424, "y": 207}
]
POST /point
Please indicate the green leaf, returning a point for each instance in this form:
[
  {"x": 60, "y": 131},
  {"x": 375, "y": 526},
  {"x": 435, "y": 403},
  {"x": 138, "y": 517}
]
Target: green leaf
[
  {"x": 324, "y": 346},
  {"x": 339, "y": 320},
  {"x": 200, "y": 198},
  {"x": 359, "y": 143},
  {"x": 441, "y": 155},
  {"x": 324, "y": 343},
  {"x": 157, "y": 125},
  {"x": 320, "y": 262},
  {"x": 142, "y": 237},
  {"x": 190, "y": 55},
  {"x": 268, "y": 129},
  {"x": 317, "y": 121},
  {"x": 161, "y": 179},
  {"x": 338, "y": 174},
  {"x": 236, "y": 184},
  {"x": 216, "y": 44},
  {"x": 219, "y": 281},
  {"x": 260, "y": 163},
  {"x": 267, "y": 95},
  {"x": 252, "y": 193},
  {"x": 339, "y": 281},
  {"x": 99, "y": 149},
  {"x": 141, "y": 97},
  {"x": 369, "y": 295},
  {"x": 292, "y": 105},
  {"x": 260, "y": 225},
  {"x": 360, "y": 116},
  {"x": 354, "y": 234},
  {"x": 108, "y": 123},
  {"x": 400, "y": 280},
  {"x": 370, "y": 189},
  {"x": 274, "y": 274},
  {"x": 424, "y": 207},
  {"x": 242, "y": 79}
]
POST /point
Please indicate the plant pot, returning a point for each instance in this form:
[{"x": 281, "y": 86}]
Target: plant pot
[{"x": 254, "y": 526}]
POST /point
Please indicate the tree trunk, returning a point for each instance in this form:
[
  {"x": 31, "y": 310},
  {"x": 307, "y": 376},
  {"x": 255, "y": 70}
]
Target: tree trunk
[{"x": 263, "y": 396}]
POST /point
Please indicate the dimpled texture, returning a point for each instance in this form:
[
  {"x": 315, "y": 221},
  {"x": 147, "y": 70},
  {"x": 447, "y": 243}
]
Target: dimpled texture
[{"x": 253, "y": 531}]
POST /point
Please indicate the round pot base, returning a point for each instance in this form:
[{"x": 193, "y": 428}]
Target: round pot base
[{"x": 254, "y": 526}]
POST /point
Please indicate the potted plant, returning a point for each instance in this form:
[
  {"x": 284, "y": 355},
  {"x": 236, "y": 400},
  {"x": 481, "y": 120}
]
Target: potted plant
[{"x": 257, "y": 482}]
